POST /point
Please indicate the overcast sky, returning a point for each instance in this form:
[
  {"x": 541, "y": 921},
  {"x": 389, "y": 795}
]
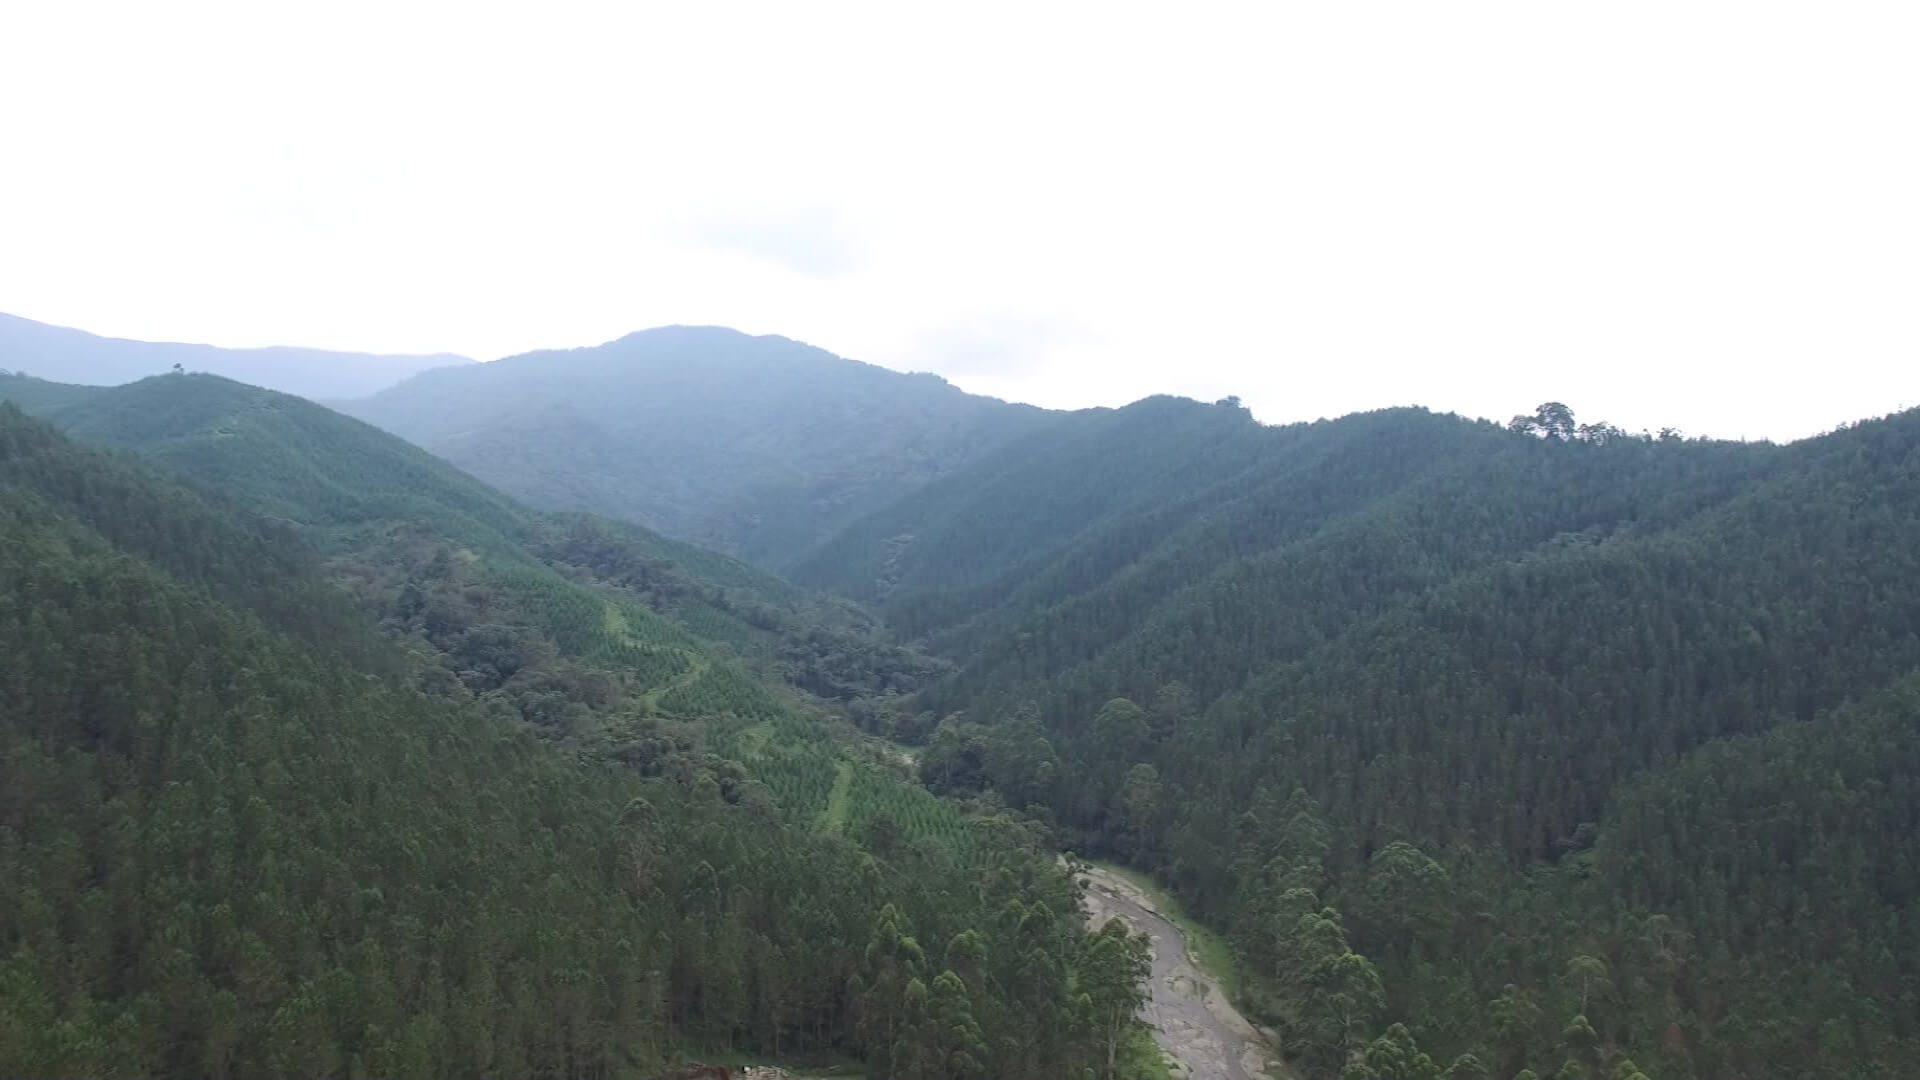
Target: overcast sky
[{"x": 1698, "y": 214}]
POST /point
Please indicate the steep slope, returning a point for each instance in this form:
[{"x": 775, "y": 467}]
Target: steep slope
[
  {"x": 281, "y": 454},
  {"x": 1134, "y": 543},
  {"x": 75, "y": 356},
  {"x": 987, "y": 529},
  {"x": 227, "y": 849},
  {"x": 1763, "y": 891},
  {"x": 758, "y": 446},
  {"x": 1400, "y": 676},
  {"x": 511, "y": 603}
]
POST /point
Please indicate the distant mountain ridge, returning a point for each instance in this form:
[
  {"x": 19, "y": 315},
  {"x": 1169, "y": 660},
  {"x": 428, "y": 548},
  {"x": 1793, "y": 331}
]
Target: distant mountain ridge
[
  {"x": 758, "y": 446},
  {"x": 63, "y": 354}
]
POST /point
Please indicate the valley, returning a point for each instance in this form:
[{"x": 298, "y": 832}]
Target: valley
[
  {"x": 579, "y": 749},
  {"x": 613, "y": 541},
  {"x": 1483, "y": 751}
]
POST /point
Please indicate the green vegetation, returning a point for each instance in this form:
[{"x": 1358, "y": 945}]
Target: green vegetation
[
  {"x": 1142, "y": 1058},
  {"x": 246, "y": 833},
  {"x": 889, "y": 814},
  {"x": 512, "y": 605},
  {"x": 758, "y": 446},
  {"x": 1457, "y": 731},
  {"x": 834, "y": 817},
  {"x": 1476, "y": 751}
]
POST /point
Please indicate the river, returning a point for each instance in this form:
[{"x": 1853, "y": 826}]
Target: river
[{"x": 1192, "y": 1020}]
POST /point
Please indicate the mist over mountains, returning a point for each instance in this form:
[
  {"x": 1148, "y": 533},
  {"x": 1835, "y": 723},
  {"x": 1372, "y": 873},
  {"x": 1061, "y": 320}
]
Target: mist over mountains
[
  {"x": 758, "y": 446},
  {"x": 60, "y": 354}
]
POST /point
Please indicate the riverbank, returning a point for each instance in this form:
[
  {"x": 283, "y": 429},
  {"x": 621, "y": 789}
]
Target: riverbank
[
  {"x": 1193, "y": 1019},
  {"x": 1209, "y": 951}
]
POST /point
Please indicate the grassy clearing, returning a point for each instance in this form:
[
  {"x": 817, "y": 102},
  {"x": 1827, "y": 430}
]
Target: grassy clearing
[
  {"x": 616, "y": 623},
  {"x": 1210, "y": 951},
  {"x": 834, "y": 818}
]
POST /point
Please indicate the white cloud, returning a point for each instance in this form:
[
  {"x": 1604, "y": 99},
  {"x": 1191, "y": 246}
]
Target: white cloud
[{"x": 1697, "y": 214}]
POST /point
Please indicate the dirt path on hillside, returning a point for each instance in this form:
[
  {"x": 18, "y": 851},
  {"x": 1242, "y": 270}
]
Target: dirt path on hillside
[{"x": 1205, "y": 1035}]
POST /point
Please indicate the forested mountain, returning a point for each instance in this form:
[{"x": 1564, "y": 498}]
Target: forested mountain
[
  {"x": 757, "y": 446},
  {"x": 1541, "y": 750},
  {"x": 1457, "y": 726},
  {"x": 520, "y": 822},
  {"x": 415, "y": 537},
  {"x": 75, "y": 356}
]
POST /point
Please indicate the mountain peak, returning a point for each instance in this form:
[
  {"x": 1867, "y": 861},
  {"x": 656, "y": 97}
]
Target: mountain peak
[{"x": 759, "y": 445}]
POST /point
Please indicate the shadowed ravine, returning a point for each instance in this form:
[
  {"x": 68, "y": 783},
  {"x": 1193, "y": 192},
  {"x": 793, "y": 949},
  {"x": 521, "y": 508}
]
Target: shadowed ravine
[{"x": 1206, "y": 1037}]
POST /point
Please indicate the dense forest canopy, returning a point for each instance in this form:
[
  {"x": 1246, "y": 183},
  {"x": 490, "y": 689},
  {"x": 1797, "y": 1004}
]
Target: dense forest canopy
[
  {"x": 1528, "y": 750},
  {"x": 429, "y": 548},
  {"x": 1500, "y": 710},
  {"x": 496, "y": 808}
]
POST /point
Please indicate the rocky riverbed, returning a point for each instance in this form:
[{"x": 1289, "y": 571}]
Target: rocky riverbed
[{"x": 1193, "y": 1021}]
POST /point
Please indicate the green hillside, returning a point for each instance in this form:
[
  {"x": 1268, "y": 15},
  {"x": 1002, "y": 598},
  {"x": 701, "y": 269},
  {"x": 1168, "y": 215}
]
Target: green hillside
[
  {"x": 485, "y": 582},
  {"x": 280, "y": 454},
  {"x": 231, "y": 847},
  {"x": 757, "y": 446},
  {"x": 1420, "y": 676}
]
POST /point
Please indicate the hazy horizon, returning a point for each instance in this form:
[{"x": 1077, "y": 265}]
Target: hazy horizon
[
  {"x": 1692, "y": 217},
  {"x": 458, "y": 359}
]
